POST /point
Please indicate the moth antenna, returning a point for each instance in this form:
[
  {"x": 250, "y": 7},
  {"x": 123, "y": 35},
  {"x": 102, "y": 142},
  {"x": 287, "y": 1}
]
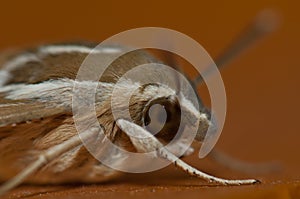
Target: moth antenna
[
  {"x": 47, "y": 157},
  {"x": 265, "y": 22},
  {"x": 238, "y": 165},
  {"x": 144, "y": 141}
]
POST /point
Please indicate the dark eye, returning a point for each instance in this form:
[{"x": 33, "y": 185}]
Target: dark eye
[
  {"x": 162, "y": 117},
  {"x": 156, "y": 118}
]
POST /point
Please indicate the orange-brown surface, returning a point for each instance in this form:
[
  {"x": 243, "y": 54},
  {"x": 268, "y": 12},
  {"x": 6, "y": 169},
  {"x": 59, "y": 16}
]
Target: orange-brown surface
[{"x": 262, "y": 88}]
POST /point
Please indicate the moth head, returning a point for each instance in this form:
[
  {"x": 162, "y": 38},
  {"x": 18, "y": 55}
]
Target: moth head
[{"x": 165, "y": 113}]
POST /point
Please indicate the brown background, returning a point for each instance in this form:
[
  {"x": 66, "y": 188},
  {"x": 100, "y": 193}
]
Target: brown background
[{"x": 262, "y": 86}]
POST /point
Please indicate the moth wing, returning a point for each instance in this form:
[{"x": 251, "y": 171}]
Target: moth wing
[{"x": 16, "y": 111}]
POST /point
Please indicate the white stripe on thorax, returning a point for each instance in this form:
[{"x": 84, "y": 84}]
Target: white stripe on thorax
[
  {"x": 14, "y": 64},
  {"x": 58, "y": 49},
  {"x": 22, "y": 59}
]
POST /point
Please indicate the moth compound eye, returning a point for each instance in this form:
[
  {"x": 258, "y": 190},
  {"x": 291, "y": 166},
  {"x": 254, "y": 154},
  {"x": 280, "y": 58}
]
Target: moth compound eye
[
  {"x": 155, "y": 118},
  {"x": 162, "y": 118}
]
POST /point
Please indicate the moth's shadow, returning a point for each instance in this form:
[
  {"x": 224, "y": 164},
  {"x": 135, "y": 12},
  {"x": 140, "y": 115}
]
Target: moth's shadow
[{"x": 171, "y": 178}]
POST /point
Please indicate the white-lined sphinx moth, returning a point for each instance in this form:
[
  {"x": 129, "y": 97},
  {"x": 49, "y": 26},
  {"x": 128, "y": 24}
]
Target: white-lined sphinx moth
[
  {"x": 37, "y": 127},
  {"x": 38, "y": 138}
]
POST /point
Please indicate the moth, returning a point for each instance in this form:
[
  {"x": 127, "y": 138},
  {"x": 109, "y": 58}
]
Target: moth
[{"x": 38, "y": 139}]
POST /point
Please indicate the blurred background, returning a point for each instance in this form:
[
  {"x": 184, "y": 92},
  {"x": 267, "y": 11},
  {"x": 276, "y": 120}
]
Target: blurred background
[{"x": 262, "y": 84}]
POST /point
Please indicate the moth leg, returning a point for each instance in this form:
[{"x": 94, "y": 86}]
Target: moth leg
[
  {"x": 235, "y": 164},
  {"x": 46, "y": 157},
  {"x": 144, "y": 141}
]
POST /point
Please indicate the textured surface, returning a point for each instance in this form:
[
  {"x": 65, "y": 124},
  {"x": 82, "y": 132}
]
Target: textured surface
[{"x": 262, "y": 88}]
